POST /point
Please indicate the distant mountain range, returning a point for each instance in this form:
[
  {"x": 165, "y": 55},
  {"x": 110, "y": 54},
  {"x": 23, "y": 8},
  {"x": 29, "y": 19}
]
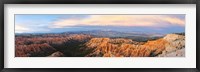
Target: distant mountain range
[
  {"x": 102, "y": 33},
  {"x": 138, "y": 36}
]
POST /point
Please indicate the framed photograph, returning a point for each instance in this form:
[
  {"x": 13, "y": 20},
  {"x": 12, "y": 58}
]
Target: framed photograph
[{"x": 96, "y": 34}]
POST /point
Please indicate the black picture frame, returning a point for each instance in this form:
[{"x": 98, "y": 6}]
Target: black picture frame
[{"x": 2, "y": 2}]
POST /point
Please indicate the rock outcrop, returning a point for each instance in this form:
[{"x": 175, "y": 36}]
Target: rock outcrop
[
  {"x": 175, "y": 46},
  {"x": 57, "y": 54}
]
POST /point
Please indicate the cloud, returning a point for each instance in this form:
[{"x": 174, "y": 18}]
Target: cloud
[
  {"x": 119, "y": 20},
  {"x": 21, "y": 29},
  {"x": 64, "y": 23},
  {"x": 173, "y": 20}
]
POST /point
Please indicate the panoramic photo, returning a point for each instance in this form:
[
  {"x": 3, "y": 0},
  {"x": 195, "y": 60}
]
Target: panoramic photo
[{"x": 99, "y": 35}]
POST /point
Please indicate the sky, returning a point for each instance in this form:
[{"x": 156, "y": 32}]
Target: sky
[{"x": 58, "y": 23}]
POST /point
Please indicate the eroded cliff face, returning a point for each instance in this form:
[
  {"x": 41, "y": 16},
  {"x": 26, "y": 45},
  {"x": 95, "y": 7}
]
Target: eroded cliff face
[
  {"x": 80, "y": 45},
  {"x": 175, "y": 46},
  {"x": 50, "y": 45},
  {"x": 170, "y": 45}
]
